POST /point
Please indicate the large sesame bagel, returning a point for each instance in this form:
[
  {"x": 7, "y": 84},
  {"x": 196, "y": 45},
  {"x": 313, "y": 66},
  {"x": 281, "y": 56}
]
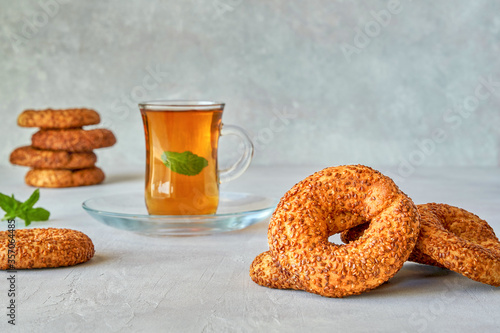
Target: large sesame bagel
[
  {"x": 453, "y": 238},
  {"x": 301, "y": 256},
  {"x": 42, "y": 248},
  {"x": 460, "y": 241},
  {"x": 354, "y": 233}
]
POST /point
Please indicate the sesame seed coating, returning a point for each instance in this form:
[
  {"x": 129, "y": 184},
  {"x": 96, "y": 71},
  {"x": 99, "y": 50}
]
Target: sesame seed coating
[
  {"x": 452, "y": 238},
  {"x": 330, "y": 201},
  {"x": 43, "y": 248},
  {"x": 460, "y": 241}
]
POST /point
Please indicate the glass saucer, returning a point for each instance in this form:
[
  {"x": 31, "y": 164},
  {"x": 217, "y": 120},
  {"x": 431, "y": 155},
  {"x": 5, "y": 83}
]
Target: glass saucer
[{"x": 128, "y": 212}]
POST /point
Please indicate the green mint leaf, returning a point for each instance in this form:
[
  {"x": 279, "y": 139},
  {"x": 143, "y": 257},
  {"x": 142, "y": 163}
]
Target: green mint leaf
[
  {"x": 24, "y": 216},
  {"x": 185, "y": 163},
  {"x": 38, "y": 214},
  {"x": 32, "y": 199},
  {"x": 23, "y": 210},
  {"x": 8, "y": 204},
  {"x": 21, "y": 214},
  {"x": 9, "y": 216}
]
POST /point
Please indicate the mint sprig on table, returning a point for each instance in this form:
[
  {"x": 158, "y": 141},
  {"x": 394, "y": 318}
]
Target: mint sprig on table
[
  {"x": 185, "y": 163},
  {"x": 23, "y": 210}
]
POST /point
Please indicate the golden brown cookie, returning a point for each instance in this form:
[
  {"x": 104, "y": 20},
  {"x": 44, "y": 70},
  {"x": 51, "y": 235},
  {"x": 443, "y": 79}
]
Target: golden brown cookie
[
  {"x": 64, "y": 178},
  {"x": 65, "y": 118},
  {"x": 43, "y": 248},
  {"x": 73, "y": 140},
  {"x": 51, "y": 159},
  {"x": 300, "y": 254}
]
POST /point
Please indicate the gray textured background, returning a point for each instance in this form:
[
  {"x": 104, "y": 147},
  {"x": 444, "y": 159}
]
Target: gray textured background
[{"x": 324, "y": 82}]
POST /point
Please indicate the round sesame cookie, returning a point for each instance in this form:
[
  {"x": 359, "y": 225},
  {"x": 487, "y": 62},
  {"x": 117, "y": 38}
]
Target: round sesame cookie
[
  {"x": 63, "y": 118},
  {"x": 64, "y": 178},
  {"x": 52, "y": 159},
  {"x": 316, "y": 208},
  {"x": 73, "y": 140},
  {"x": 44, "y": 248}
]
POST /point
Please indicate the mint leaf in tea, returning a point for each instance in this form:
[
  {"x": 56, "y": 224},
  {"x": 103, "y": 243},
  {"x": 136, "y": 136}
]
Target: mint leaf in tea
[{"x": 185, "y": 163}]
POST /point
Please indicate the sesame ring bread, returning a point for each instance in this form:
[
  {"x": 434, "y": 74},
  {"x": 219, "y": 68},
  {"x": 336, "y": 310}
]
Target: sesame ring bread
[
  {"x": 64, "y": 178},
  {"x": 44, "y": 248},
  {"x": 267, "y": 272},
  {"x": 73, "y": 140},
  {"x": 460, "y": 241},
  {"x": 301, "y": 256},
  {"x": 64, "y": 118},
  {"x": 51, "y": 159},
  {"x": 354, "y": 233},
  {"x": 453, "y": 238}
]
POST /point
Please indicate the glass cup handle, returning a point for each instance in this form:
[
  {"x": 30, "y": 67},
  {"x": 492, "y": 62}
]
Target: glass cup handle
[{"x": 237, "y": 169}]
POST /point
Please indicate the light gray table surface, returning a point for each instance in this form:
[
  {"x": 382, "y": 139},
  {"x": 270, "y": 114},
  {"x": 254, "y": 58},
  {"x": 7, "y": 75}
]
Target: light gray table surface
[{"x": 201, "y": 284}]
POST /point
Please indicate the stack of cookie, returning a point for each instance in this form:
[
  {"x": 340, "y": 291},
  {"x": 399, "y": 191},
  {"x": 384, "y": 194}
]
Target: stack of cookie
[{"x": 61, "y": 152}]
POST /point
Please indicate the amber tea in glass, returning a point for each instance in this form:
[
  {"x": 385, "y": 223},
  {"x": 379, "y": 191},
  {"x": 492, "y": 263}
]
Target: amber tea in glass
[{"x": 182, "y": 137}]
